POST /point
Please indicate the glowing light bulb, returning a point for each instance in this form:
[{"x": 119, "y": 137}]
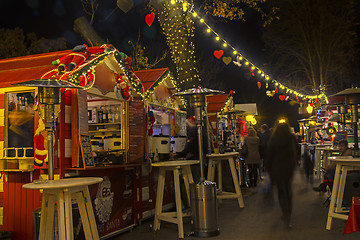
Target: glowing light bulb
[
  {"x": 217, "y": 39},
  {"x": 202, "y": 20},
  {"x": 224, "y": 45},
  {"x": 195, "y": 14},
  {"x": 234, "y": 52},
  {"x": 208, "y": 30},
  {"x": 246, "y": 63}
]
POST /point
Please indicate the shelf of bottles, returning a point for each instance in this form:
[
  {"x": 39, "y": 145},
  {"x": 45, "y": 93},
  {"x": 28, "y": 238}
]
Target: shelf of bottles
[{"x": 106, "y": 133}]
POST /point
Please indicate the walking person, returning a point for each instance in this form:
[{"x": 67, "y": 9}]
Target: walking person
[
  {"x": 281, "y": 164},
  {"x": 252, "y": 158},
  {"x": 264, "y": 136}
]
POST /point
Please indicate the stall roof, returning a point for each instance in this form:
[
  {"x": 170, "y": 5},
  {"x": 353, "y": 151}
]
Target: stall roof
[
  {"x": 249, "y": 108},
  {"x": 150, "y": 76},
  {"x": 216, "y": 102},
  {"x": 20, "y": 69}
]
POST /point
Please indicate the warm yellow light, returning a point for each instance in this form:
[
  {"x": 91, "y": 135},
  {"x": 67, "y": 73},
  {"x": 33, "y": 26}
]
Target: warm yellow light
[
  {"x": 217, "y": 39},
  {"x": 208, "y": 30},
  {"x": 246, "y": 63},
  {"x": 195, "y": 14},
  {"x": 234, "y": 52},
  {"x": 252, "y": 68},
  {"x": 202, "y": 20},
  {"x": 172, "y": 1},
  {"x": 309, "y": 109},
  {"x": 253, "y": 122},
  {"x": 282, "y": 120},
  {"x": 224, "y": 45},
  {"x": 249, "y": 118}
]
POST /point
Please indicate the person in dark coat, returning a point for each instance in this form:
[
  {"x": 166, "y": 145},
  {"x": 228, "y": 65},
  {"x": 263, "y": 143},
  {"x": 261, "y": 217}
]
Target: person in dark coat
[
  {"x": 252, "y": 158},
  {"x": 281, "y": 164},
  {"x": 265, "y": 135}
]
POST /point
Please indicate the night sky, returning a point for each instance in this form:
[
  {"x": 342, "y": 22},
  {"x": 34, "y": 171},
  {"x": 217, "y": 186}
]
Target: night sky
[{"x": 55, "y": 18}]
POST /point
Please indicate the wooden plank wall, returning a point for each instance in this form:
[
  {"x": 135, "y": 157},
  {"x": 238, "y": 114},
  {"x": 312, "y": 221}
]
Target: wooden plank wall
[
  {"x": 137, "y": 132},
  {"x": 19, "y": 205}
]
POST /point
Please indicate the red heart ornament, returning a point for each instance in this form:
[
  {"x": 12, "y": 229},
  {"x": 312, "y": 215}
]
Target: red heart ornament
[
  {"x": 259, "y": 84},
  {"x": 218, "y": 53},
  {"x": 150, "y": 18},
  {"x": 282, "y": 97}
]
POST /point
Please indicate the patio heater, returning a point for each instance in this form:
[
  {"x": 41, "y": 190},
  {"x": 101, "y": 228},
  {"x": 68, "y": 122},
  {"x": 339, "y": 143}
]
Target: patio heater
[
  {"x": 48, "y": 95},
  {"x": 352, "y": 98},
  {"x": 203, "y": 193}
]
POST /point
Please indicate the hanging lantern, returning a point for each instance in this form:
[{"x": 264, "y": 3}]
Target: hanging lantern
[{"x": 125, "y": 5}]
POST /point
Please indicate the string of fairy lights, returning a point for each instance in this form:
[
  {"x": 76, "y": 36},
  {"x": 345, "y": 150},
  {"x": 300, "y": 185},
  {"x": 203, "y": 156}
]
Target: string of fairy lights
[{"x": 242, "y": 60}]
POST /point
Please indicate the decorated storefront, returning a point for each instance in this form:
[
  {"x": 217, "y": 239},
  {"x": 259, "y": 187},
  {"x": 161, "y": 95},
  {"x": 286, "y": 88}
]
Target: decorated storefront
[{"x": 91, "y": 136}]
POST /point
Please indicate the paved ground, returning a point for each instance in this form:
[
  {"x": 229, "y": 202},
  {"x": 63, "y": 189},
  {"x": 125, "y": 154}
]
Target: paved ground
[{"x": 259, "y": 221}]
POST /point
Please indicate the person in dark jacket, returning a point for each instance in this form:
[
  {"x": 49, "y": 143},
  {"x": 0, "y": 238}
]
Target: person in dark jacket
[
  {"x": 264, "y": 136},
  {"x": 281, "y": 164},
  {"x": 252, "y": 158}
]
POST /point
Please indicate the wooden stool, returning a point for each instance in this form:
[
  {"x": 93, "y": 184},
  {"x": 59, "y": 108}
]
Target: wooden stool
[
  {"x": 215, "y": 161},
  {"x": 173, "y": 217},
  {"x": 63, "y": 191}
]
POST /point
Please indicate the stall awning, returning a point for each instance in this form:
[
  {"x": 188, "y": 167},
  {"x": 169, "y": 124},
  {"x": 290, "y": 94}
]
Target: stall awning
[{"x": 215, "y": 103}]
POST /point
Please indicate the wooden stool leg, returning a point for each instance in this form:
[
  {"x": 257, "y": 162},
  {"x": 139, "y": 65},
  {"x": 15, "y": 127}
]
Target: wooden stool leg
[
  {"x": 159, "y": 198},
  {"x": 179, "y": 213},
  {"x": 61, "y": 215},
  {"x": 43, "y": 216},
  {"x": 68, "y": 215},
  {"x": 83, "y": 214},
  {"x": 90, "y": 213},
  {"x": 236, "y": 182},
  {"x": 188, "y": 179},
  {"x": 333, "y": 196}
]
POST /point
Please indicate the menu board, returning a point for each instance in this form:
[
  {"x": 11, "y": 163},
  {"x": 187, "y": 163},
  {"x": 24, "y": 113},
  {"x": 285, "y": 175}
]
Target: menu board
[
  {"x": 86, "y": 157},
  {"x": 340, "y": 136}
]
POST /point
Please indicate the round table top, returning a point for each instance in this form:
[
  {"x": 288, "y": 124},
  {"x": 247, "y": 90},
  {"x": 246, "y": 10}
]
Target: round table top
[
  {"x": 63, "y": 183},
  {"x": 175, "y": 163},
  {"x": 327, "y": 148},
  {"x": 219, "y": 155}
]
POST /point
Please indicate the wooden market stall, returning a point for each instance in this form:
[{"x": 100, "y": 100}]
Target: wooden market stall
[
  {"x": 164, "y": 131},
  {"x": 91, "y": 137}
]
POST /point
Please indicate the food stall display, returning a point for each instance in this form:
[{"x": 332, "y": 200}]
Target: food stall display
[
  {"x": 215, "y": 105},
  {"x": 91, "y": 136},
  {"x": 163, "y": 131}
]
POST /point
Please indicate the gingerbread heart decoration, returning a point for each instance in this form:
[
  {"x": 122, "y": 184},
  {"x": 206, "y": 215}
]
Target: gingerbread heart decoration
[
  {"x": 226, "y": 60},
  {"x": 150, "y": 18},
  {"x": 282, "y": 97},
  {"x": 218, "y": 53}
]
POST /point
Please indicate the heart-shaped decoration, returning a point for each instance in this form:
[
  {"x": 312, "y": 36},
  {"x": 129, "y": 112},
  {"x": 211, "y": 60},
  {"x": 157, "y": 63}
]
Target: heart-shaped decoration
[
  {"x": 282, "y": 97},
  {"x": 226, "y": 60},
  {"x": 259, "y": 84},
  {"x": 218, "y": 53},
  {"x": 150, "y": 18}
]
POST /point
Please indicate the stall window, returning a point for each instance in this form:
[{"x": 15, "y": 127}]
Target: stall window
[{"x": 19, "y": 139}]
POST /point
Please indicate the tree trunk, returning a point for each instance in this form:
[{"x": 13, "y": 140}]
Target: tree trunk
[{"x": 82, "y": 26}]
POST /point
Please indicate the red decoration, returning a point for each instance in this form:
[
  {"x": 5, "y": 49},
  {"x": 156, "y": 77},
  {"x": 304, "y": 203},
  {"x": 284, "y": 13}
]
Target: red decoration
[
  {"x": 150, "y": 18},
  {"x": 316, "y": 100},
  {"x": 231, "y": 92},
  {"x": 259, "y": 84},
  {"x": 282, "y": 97},
  {"x": 218, "y": 53},
  {"x": 276, "y": 89},
  {"x": 297, "y": 98}
]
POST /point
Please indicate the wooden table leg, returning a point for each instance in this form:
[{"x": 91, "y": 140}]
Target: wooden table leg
[
  {"x": 188, "y": 179},
  {"x": 61, "y": 215},
  {"x": 210, "y": 175},
  {"x": 90, "y": 213},
  {"x": 333, "y": 196},
  {"x": 43, "y": 216},
  {"x": 179, "y": 214},
  {"x": 236, "y": 182},
  {"x": 83, "y": 214},
  {"x": 159, "y": 198}
]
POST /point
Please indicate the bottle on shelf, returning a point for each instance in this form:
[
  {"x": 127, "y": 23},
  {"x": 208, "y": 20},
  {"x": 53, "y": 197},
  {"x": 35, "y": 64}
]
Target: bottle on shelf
[
  {"x": 117, "y": 114},
  {"x": 100, "y": 115},
  {"x": 109, "y": 114},
  {"x": 104, "y": 114}
]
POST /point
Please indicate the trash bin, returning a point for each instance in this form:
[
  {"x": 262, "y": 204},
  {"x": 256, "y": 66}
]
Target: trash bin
[
  {"x": 5, "y": 235},
  {"x": 204, "y": 209}
]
